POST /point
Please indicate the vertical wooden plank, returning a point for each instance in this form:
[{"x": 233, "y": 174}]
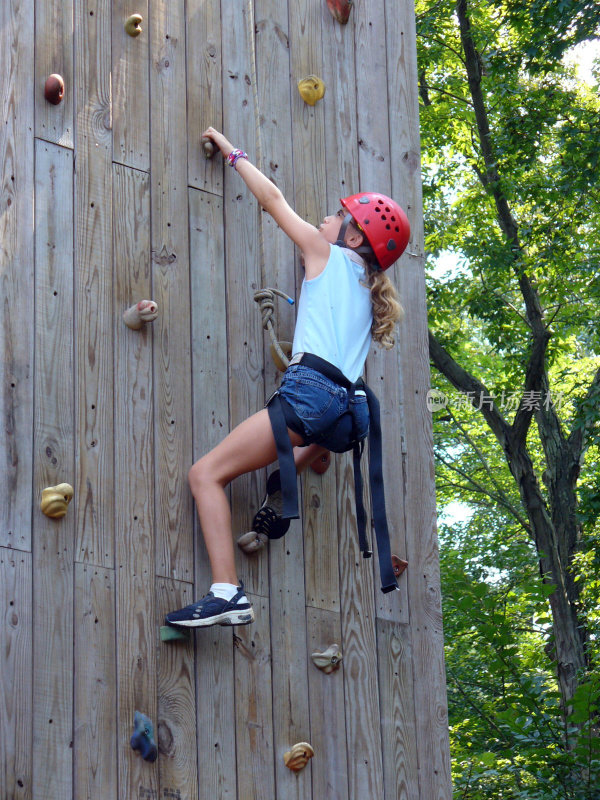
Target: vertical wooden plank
[
  {"x": 396, "y": 687},
  {"x": 363, "y": 734},
  {"x": 291, "y": 722},
  {"x": 216, "y": 714},
  {"x": 308, "y": 121},
  {"x": 134, "y": 466},
  {"x": 54, "y": 54},
  {"x": 53, "y": 464},
  {"x": 204, "y": 87},
  {"x": 328, "y": 731},
  {"x": 340, "y": 109},
  {"x": 253, "y": 706},
  {"x": 170, "y": 256},
  {"x": 130, "y": 87},
  {"x": 423, "y": 577},
  {"x": 214, "y": 670},
  {"x": 209, "y": 339},
  {"x": 93, "y": 288},
  {"x": 243, "y": 273},
  {"x": 16, "y": 696},
  {"x": 95, "y": 698},
  {"x": 16, "y": 271},
  {"x": 178, "y": 748}
]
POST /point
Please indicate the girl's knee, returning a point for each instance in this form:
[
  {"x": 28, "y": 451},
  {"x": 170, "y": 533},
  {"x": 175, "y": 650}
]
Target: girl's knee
[{"x": 202, "y": 473}]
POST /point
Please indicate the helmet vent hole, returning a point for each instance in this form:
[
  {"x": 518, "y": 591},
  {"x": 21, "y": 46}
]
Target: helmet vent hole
[
  {"x": 397, "y": 229},
  {"x": 388, "y": 227},
  {"x": 378, "y": 210},
  {"x": 393, "y": 218},
  {"x": 383, "y": 216},
  {"x": 388, "y": 209}
]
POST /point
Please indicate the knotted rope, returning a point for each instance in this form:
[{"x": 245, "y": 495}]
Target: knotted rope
[{"x": 266, "y": 302}]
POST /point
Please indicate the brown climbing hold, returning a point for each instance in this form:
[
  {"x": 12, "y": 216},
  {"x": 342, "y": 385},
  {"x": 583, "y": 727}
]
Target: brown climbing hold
[
  {"x": 329, "y": 660},
  {"x": 311, "y": 89},
  {"x": 340, "y": 9},
  {"x": 286, "y": 347},
  {"x": 399, "y": 565},
  {"x": 55, "y": 500},
  {"x": 208, "y": 147},
  {"x": 298, "y": 757},
  {"x": 321, "y": 464},
  {"x": 54, "y": 89},
  {"x": 132, "y": 25},
  {"x": 137, "y": 315}
]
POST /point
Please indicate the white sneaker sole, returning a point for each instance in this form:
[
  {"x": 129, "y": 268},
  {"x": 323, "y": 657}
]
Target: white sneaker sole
[{"x": 244, "y": 617}]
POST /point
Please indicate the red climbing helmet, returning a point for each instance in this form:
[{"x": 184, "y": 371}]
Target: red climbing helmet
[{"x": 383, "y": 222}]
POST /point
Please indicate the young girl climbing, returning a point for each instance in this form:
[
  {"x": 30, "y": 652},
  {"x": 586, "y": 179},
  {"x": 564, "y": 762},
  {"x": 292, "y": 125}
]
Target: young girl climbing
[{"x": 346, "y": 301}]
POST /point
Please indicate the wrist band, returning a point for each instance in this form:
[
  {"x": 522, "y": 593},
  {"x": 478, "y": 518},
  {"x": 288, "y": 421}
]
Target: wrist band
[{"x": 235, "y": 155}]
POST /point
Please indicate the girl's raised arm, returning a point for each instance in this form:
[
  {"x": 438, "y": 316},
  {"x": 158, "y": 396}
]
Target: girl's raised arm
[{"x": 311, "y": 242}]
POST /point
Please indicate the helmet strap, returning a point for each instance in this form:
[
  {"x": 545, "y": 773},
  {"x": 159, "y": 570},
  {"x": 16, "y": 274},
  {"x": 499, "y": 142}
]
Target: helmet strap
[{"x": 341, "y": 235}]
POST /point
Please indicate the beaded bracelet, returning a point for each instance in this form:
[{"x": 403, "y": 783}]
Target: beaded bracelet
[{"x": 234, "y": 156}]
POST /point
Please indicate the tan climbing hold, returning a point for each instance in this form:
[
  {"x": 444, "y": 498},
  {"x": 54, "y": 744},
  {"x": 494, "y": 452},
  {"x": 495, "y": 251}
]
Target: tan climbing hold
[
  {"x": 132, "y": 25},
  {"x": 298, "y": 757},
  {"x": 340, "y": 10},
  {"x": 54, "y": 89},
  {"x": 140, "y": 313},
  {"x": 311, "y": 89},
  {"x": 252, "y": 542},
  {"x": 286, "y": 348},
  {"x": 208, "y": 147},
  {"x": 55, "y": 500},
  {"x": 329, "y": 660}
]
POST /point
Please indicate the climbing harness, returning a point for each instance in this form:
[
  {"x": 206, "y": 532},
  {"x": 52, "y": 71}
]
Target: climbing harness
[{"x": 281, "y": 415}]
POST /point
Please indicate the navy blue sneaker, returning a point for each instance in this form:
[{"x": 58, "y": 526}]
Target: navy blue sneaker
[{"x": 213, "y": 610}]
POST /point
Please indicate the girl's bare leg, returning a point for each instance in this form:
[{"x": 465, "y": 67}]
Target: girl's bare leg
[{"x": 250, "y": 446}]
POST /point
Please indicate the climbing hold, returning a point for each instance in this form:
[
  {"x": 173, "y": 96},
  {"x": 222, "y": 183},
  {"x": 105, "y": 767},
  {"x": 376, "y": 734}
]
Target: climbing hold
[
  {"x": 137, "y": 315},
  {"x": 142, "y": 738},
  {"x": 340, "y": 9},
  {"x": 311, "y": 89},
  {"x": 54, "y": 89},
  {"x": 55, "y": 500},
  {"x": 132, "y": 25},
  {"x": 329, "y": 660},
  {"x": 168, "y": 633},
  {"x": 321, "y": 464},
  {"x": 286, "y": 349},
  {"x": 208, "y": 147},
  {"x": 398, "y": 565},
  {"x": 252, "y": 542},
  {"x": 298, "y": 757}
]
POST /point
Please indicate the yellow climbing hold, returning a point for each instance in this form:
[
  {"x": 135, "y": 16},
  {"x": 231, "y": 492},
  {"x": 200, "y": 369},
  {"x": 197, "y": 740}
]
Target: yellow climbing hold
[
  {"x": 311, "y": 89},
  {"x": 132, "y": 25},
  {"x": 55, "y": 500}
]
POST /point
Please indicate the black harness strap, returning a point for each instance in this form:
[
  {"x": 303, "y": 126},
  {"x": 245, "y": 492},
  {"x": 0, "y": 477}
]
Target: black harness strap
[{"x": 289, "y": 489}]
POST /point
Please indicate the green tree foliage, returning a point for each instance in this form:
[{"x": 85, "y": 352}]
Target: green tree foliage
[{"x": 510, "y": 176}]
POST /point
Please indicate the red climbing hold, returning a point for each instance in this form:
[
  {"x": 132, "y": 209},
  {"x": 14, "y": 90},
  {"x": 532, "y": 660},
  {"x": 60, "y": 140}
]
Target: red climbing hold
[
  {"x": 340, "y": 9},
  {"x": 54, "y": 89}
]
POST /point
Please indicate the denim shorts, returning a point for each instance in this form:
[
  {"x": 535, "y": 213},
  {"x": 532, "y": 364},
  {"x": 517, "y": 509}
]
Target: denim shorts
[{"x": 322, "y": 409}]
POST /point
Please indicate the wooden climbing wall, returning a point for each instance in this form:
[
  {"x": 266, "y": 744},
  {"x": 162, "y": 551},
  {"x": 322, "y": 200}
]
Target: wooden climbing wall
[{"x": 106, "y": 199}]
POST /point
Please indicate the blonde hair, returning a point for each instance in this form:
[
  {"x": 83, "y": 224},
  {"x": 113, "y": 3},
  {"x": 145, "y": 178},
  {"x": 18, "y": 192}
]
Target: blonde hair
[{"x": 387, "y": 311}]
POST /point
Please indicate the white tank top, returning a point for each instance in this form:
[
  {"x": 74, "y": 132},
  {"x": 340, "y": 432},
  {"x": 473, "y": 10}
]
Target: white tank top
[{"x": 335, "y": 314}]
